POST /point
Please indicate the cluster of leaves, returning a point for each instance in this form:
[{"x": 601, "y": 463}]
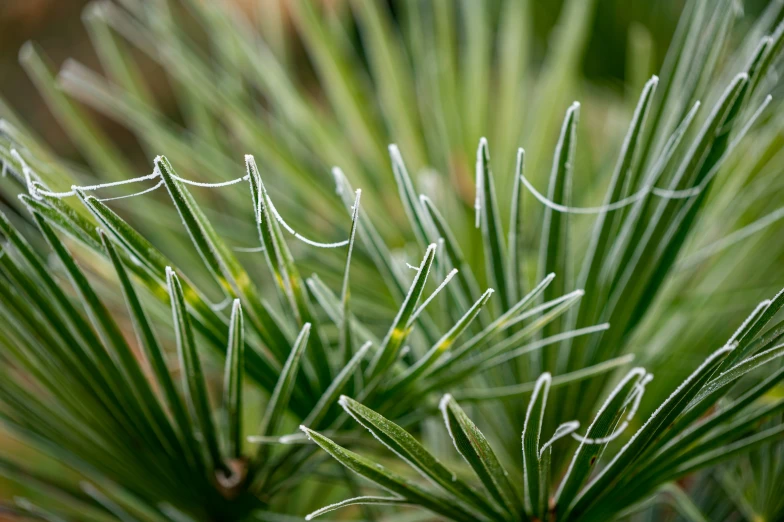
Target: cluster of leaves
[
  {"x": 90, "y": 384},
  {"x": 147, "y": 448},
  {"x": 674, "y": 441}
]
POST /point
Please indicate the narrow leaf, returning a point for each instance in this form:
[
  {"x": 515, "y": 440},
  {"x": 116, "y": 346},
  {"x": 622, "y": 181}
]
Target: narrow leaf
[
  {"x": 399, "y": 330},
  {"x": 279, "y": 400},
  {"x": 232, "y": 381},
  {"x": 387, "y": 479},
  {"x": 408, "y": 448},
  {"x": 492, "y": 231},
  {"x": 474, "y": 448},
  {"x": 193, "y": 383},
  {"x": 554, "y": 256},
  {"x": 532, "y": 433}
]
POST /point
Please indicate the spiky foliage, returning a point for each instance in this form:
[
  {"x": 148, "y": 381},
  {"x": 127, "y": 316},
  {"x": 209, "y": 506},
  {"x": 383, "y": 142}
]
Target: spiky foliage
[
  {"x": 144, "y": 447},
  {"x": 674, "y": 441}
]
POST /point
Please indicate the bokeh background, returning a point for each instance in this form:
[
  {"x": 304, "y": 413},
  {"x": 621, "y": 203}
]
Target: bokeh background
[{"x": 56, "y": 26}]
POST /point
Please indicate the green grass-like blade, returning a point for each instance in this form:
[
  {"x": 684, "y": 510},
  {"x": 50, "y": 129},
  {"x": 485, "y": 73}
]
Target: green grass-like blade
[
  {"x": 387, "y": 479},
  {"x": 153, "y": 351},
  {"x": 279, "y": 400},
  {"x": 515, "y": 277},
  {"x": 233, "y": 380},
  {"x": 193, "y": 384},
  {"x": 285, "y": 272},
  {"x": 408, "y": 196},
  {"x": 412, "y": 374},
  {"x": 606, "y": 224},
  {"x": 219, "y": 259},
  {"x": 554, "y": 255},
  {"x": 346, "y": 346},
  {"x": 532, "y": 433},
  {"x": 400, "y": 328},
  {"x": 585, "y": 458},
  {"x": 492, "y": 231},
  {"x": 408, "y": 448},
  {"x": 465, "y": 275},
  {"x": 474, "y": 448}
]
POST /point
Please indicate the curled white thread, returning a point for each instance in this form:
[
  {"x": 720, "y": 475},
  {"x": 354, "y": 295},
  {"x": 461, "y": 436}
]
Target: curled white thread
[
  {"x": 561, "y": 431},
  {"x": 412, "y": 267},
  {"x": 210, "y": 185},
  {"x": 146, "y": 191},
  {"x": 27, "y": 172},
  {"x": 299, "y": 236},
  {"x": 645, "y": 190},
  {"x": 625, "y": 202},
  {"x": 32, "y": 179},
  {"x": 217, "y": 307}
]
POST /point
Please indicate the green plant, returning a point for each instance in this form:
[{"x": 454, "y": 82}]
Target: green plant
[
  {"x": 144, "y": 448},
  {"x": 673, "y": 442}
]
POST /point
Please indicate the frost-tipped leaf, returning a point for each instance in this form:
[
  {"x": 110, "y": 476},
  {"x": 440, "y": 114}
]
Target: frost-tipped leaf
[
  {"x": 437, "y": 350},
  {"x": 193, "y": 384},
  {"x": 232, "y": 381},
  {"x": 408, "y": 448},
  {"x": 532, "y": 433},
  {"x": 492, "y": 231},
  {"x": 553, "y": 251},
  {"x": 387, "y": 479},
  {"x": 400, "y": 328},
  {"x": 219, "y": 259},
  {"x": 279, "y": 401},
  {"x": 474, "y": 448},
  {"x": 584, "y": 460}
]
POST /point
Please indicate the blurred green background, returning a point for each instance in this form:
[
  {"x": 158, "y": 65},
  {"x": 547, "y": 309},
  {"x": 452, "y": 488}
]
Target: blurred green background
[{"x": 56, "y": 26}]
